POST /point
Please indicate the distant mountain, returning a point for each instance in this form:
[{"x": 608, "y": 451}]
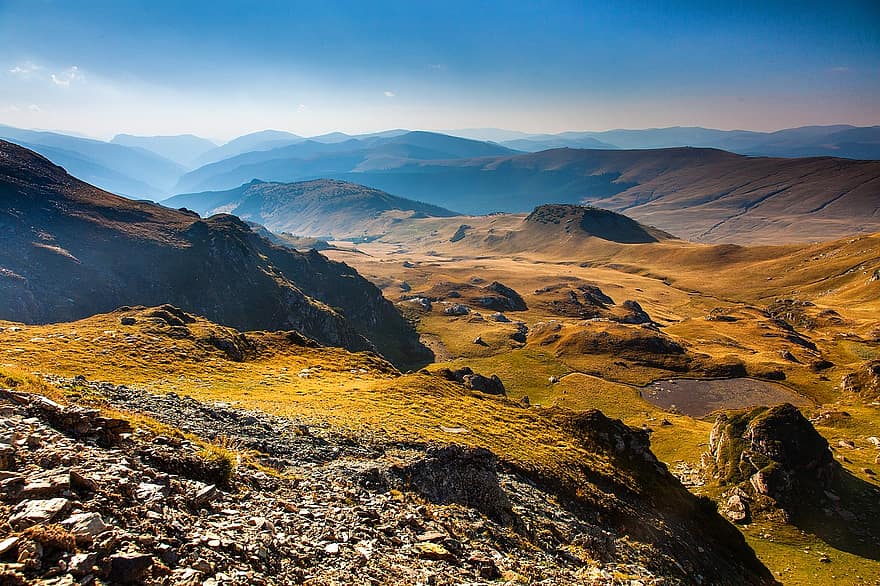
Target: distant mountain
[
  {"x": 263, "y": 140},
  {"x": 183, "y": 149},
  {"x": 69, "y": 250},
  {"x": 120, "y": 169},
  {"x": 324, "y": 207},
  {"x": 808, "y": 141},
  {"x": 699, "y": 194},
  {"x": 311, "y": 159},
  {"x": 543, "y": 143}
]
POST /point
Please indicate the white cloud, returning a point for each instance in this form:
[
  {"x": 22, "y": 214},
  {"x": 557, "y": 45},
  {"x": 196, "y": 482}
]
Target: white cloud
[
  {"x": 389, "y": 94},
  {"x": 24, "y": 69},
  {"x": 67, "y": 76},
  {"x": 302, "y": 108},
  {"x": 840, "y": 69},
  {"x": 437, "y": 66},
  {"x": 34, "y": 108},
  {"x": 9, "y": 108}
]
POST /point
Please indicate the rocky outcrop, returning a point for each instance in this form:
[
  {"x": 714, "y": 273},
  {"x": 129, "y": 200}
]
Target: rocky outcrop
[
  {"x": 865, "y": 381},
  {"x": 499, "y": 297},
  {"x": 774, "y": 453},
  {"x": 491, "y": 385}
]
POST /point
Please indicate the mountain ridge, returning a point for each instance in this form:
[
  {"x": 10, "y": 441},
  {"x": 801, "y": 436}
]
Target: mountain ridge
[{"x": 71, "y": 250}]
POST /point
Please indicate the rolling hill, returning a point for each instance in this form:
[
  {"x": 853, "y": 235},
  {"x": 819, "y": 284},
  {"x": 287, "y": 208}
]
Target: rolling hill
[
  {"x": 700, "y": 194},
  {"x": 324, "y": 207},
  {"x": 71, "y": 250}
]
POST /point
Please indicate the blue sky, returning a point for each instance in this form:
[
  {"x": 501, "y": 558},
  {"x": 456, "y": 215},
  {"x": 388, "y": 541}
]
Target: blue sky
[{"x": 223, "y": 68}]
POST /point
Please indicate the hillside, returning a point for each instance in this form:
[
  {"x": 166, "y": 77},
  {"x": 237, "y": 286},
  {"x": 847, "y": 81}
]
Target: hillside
[
  {"x": 324, "y": 207},
  {"x": 357, "y": 478},
  {"x": 120, "y": 169},
  {"x": 70, "y": 250},
  {"x": 698, "y": 194}
]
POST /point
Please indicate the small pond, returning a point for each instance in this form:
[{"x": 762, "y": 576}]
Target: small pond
[{"x": 700, "y": 397}]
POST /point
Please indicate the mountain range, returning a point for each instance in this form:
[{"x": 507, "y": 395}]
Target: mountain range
[
  {"x": 703, "y": 194},
  {"x": 808, "y": 141},
  {"x": 120, "y": 169},
  {"x": 69, "y": 250}
]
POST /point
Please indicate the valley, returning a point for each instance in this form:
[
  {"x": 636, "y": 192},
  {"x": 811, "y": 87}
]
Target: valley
[{"x": 572, "y": 356}]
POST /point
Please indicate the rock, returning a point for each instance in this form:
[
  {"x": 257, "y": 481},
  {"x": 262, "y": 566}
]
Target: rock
[
  {"x": 147, "y": 491},
  {"x": 8, "y": 544},
  {"x": 45, "y": 488},
  {"x": 455, "y": 474},
  {"x": 787, "y": 355},
  {"x": 776, "y": 453},
  {"x": 205, "y": 495},
  {"x": 331, "y": 548},
  {"x": 874, "y": 441},
  {"x": 479, "y": 341},
  {"x": 737, "y": 509},
  {"x": 431, "y": 536},
  {"x": 33, "y": 512},
  {"x": 129, "y": 568},
  {"x": 85, "y": 526},
  {"x": 460, "y": 233},
  {"x": 81, "y": 564},
  {"x": 489, "y": 385},
  {"x": 7, "y": 457},
  {"x": 499, "y": 317},
  {"x": 553, "y": 380},
  {"x": 634, "y": 313},
  {"x": 433, "y": 551},
  {"x": 486, "y": 567},
  {"x": 127, "y": 321},
  {"x": 457, "y": 309},
  {"x": 82, "y": 483}
]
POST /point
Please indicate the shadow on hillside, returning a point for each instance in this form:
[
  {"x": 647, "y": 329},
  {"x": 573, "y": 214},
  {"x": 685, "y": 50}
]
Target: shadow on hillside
[{"x": 854, "y": 523}]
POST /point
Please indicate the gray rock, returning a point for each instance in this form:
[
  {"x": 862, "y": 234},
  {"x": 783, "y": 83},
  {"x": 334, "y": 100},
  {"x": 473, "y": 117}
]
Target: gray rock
[
  {"x": 85, "y": 526},
  {"x": 34, "y": 512}
]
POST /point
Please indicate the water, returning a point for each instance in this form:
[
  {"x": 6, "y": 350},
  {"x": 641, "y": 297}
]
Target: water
[{"x": 699, "y": 398}]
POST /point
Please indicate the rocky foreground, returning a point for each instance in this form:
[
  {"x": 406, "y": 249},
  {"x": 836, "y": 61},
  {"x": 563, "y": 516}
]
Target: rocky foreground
[{"x": 87, "y": 499}]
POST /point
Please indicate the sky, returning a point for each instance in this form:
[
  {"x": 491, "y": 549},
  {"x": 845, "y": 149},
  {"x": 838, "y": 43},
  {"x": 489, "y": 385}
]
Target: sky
[{"x": 220, "y": 68}]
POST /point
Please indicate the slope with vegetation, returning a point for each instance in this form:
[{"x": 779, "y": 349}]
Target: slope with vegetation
[
  {"x": 452, "y": 477},
  {"x": 70, "y": 250}
]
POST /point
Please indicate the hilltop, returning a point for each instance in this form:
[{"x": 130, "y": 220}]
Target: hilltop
[
  {"x": 70, "y": 250},
  {"x": 323, "y": 207}
]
